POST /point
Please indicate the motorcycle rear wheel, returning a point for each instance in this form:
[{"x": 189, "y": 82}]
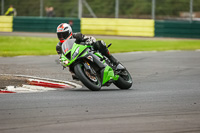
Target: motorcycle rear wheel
[
  {"x": 124, "y": 81},
  {"x": 90, "y": 83}
]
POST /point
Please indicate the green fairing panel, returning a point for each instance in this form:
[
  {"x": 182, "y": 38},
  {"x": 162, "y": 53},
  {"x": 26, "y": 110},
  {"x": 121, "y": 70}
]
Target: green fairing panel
[
  {"x": 72, "y": 50},
  {"x": 108, "y": 75},
  {"x": 63, "y": 58},
  {"x": 98, "y": 54}
]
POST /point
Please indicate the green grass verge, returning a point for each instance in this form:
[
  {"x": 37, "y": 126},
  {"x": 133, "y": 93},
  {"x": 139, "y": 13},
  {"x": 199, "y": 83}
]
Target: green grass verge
[
  {"x": 14, "y": 46},
  {"x": 151, "y": 45}
]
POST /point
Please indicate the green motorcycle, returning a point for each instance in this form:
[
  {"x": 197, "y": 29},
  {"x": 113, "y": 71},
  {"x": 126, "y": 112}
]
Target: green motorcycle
[{"x": 92, "y": 68}]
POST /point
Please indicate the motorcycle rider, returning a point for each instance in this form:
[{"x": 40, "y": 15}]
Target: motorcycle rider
[{"x": 64, "y": 32}]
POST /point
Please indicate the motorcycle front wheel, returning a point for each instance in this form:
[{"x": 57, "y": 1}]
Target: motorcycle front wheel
[{"x": 91, "y": 81}]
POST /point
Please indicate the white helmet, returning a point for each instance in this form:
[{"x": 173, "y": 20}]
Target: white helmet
[{"x": 64, "y": 31}]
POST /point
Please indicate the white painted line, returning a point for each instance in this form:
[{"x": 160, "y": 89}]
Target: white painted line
[
  {"x": 28, "y": 89},
  {"x": 38, "y": 88}
]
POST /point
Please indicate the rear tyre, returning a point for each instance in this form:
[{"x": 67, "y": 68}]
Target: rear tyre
[
  {"x": 91, "y": 82},
  {"x": 124, "y": 81}
]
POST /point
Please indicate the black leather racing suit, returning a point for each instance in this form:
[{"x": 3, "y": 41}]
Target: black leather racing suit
[{"x": 98, "y": 46}]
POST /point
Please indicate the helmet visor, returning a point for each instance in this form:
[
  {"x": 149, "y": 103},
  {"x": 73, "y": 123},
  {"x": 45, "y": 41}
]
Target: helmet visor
[{"x": 63, "y": 35}]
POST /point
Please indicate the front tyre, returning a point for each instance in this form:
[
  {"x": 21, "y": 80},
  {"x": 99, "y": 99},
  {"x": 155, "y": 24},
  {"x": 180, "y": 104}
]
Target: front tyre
[
  {"x": 124, "y": 81},
  {"x": 90, "y": 81}
]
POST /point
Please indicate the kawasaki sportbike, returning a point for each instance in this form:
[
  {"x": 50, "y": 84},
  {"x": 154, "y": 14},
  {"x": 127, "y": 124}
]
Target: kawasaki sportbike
[{"x": 92, "y": 68}]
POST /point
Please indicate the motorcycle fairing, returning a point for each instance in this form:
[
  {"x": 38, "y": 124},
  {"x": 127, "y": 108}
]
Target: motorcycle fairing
[
  {"x": 73, "y": 51},
  {"x": 107, "y": 74}
]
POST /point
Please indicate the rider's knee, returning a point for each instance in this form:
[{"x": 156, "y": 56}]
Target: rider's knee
[{"x": 100, "y": 45}]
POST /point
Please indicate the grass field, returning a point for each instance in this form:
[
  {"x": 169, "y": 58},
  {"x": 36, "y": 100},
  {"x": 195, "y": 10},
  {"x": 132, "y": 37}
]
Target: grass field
[{"x": 14, "y": 46}]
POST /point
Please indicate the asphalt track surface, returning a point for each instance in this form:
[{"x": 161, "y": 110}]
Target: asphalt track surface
[{"x": 165, "y": 97}]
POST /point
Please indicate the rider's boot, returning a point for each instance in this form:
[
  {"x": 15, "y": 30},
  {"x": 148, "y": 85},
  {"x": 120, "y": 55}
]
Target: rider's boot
[
  {"x": 113, "y": 60},
  {"x": 101, "y": 46}
]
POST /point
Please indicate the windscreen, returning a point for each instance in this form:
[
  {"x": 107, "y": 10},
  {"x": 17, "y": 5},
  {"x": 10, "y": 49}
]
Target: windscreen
[{"x": 67, "y": 45}]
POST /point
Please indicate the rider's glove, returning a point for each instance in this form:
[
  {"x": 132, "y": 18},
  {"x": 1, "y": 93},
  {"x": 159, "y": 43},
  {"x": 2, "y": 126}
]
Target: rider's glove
[
  {"x": 79, "y": 37},
  {"x": 89, "y": 40}
]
